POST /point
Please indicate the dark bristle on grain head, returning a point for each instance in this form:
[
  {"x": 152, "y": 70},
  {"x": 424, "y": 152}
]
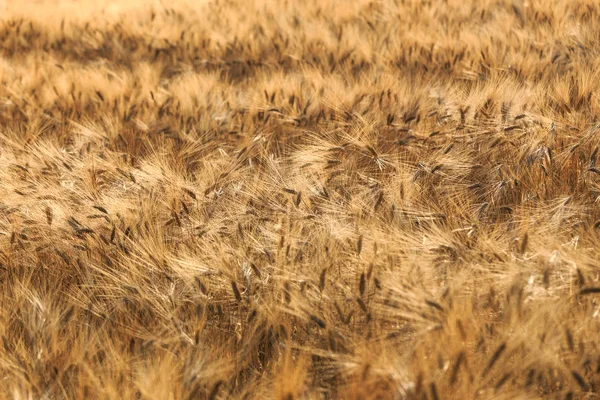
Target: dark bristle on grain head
[
  {"x": 494, "y": 358},
  {"x": 236, "y": 291},
  {"x": 315, "y": 199},
  {"x": 362, "y": 284},
  {"x": 322, "y": 277},
  {"x": 49, "y": 215}
]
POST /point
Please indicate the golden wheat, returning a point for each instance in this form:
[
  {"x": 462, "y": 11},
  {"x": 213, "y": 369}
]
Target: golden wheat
[{"x": 282, "y": 199}]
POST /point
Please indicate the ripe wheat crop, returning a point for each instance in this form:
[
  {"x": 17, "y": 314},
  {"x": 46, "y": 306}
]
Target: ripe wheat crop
[{"x": 319, "y": 199}]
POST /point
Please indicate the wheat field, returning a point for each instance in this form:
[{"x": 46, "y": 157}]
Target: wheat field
[{"x": 263, "y": 199}]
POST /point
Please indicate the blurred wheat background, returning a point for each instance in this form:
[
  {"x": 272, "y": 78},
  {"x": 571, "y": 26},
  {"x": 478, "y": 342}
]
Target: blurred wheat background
[{"x": 232, "y": 199}]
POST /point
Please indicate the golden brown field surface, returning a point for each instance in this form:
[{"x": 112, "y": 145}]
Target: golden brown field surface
[{"x": 392, "y": 199}]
